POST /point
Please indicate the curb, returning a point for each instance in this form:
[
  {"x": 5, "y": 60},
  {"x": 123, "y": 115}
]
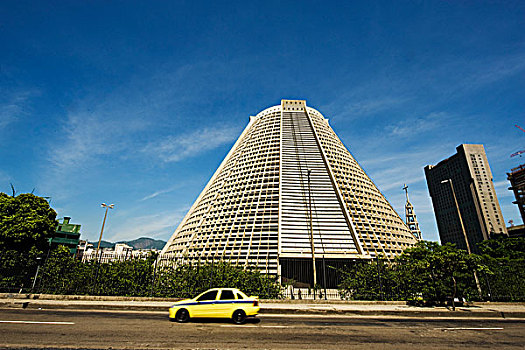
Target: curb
[
  {"x": 17, "y": 296},
  {"x": 145, "y": 299},
  {"x": 76, "y": 306},
  {"x": 416, "y": 313}
]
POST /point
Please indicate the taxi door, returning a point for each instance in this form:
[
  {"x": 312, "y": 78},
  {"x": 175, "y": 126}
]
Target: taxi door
[
  {"x": 206, "y": 305},
  {"x": 226, "y": 303}
]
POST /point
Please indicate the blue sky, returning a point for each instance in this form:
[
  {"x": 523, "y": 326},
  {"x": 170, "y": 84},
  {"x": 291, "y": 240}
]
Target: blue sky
[{"x": 137, "y": 102}]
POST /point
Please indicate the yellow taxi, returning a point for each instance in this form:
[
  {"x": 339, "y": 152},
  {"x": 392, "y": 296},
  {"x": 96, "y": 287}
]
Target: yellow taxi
[{"x": 216, "y": 303}]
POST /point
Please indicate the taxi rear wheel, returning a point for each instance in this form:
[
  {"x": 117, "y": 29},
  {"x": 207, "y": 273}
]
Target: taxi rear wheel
[
  {"x": 182, "y": 316},
  {"x": 239, "y": 317}
]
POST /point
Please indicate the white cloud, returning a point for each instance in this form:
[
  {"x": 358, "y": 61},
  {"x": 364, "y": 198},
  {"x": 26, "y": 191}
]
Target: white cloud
[
  {"x": 394, "y": 166},
  {"x": 422, "y": 88},
  {"x": 176, "y": 148},
  {"x": 490, "y": 70},
  {"x": 160, "y": 192},
  {"x": 502, "y": 189},
  {"x": 90, "y": 135},
  {"x": 404, "y": 158},
  {"x": 501, "y": 184},
  {"x": 361, "y": 102},
  {"x": 357, "y": 107},
  {"x": 121, "y": 122},
  {"x": 4, "y": 176},
  {"x": 16, "y": 104},
  {"x": 5, "y": 179},
  {"x": 414, "y": 127},
  {"x": 500, "y": 150}
]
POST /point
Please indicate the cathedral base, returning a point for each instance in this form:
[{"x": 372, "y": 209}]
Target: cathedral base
[{"x": 299, "y": 271}]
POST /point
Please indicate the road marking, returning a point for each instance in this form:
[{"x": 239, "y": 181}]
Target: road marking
[
  {"x": 471, "y": 329},
  {"x": 37, "y": 322},
  {"x": 253, "y": 326},
  {"x": 443, "y": 329},
  {"x": 391, "y": 317}
]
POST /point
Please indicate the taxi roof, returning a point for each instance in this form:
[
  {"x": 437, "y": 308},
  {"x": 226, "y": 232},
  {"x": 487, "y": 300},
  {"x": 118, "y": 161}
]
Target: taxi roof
[{"x": 237, "y": 289}]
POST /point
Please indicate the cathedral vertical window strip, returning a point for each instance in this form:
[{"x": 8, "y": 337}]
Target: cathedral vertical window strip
[
  {"x": 265, "y": 187},
  {"x": 208, "y": 224},
  {"x": 235, "y": 204},
  {"x": 301, "y": 153}
]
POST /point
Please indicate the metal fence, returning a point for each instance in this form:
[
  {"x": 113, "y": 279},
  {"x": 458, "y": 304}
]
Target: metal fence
[
  {"x": 505, "y": 281},
  {"x": 311, "y": 294}
]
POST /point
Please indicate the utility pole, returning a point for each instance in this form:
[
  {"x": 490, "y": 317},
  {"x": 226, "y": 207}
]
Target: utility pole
[
  {"x": 36, "y": 274},
  {"x": 103, "y": 205},
  {"x": 464, "y": 232},
  {"x": 324, "y": 275},
  {"x": 311, "y": 229}
]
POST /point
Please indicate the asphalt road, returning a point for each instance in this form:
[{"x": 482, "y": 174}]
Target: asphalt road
[{"x": 81, "y": 329}]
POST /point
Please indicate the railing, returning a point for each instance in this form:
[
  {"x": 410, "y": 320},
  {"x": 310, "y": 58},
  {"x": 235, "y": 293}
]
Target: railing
[
  {"x": 504, "y": 281},
  {"x": 308, "y": 294}
]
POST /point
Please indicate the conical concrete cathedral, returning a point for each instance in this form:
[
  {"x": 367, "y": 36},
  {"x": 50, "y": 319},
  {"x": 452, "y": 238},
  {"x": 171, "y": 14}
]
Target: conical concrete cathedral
[{"x": 289, "y": 191}]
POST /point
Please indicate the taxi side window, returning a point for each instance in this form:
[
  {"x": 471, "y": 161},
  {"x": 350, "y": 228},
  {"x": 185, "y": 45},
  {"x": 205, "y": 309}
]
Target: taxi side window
[
  {"x": 227, "y": 295},
  {"x": 211, "y": 295},
  {"x": 239, "y": 296}
]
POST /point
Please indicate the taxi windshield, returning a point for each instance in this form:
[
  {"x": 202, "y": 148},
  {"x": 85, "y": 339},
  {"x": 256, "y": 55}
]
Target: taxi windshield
[{"x": 211, "y": 295}]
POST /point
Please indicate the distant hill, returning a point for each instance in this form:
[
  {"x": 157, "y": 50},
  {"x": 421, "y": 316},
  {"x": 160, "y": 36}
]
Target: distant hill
[
  {"x": 145, "y": 243},
  {"x": 139, "y": 243}
]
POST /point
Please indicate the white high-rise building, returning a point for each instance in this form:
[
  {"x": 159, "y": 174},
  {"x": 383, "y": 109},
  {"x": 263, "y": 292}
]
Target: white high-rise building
[{"x": 287, "y": 193}]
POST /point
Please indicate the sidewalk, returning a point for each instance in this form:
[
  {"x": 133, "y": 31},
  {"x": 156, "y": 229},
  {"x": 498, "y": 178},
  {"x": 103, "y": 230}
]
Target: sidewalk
[{"x": 268, "y": 307}]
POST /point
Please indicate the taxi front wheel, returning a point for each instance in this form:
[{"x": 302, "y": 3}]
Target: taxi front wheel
[
  {"x": 239, "y": 317},
  {"x": 182, "y": 316}
]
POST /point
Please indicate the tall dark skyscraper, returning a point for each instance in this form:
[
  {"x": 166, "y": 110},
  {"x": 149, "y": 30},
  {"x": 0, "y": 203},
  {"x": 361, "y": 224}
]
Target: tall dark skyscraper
[{"x": 464, "y": 197}]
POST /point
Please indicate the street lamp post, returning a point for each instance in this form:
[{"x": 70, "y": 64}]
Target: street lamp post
[
  {"x": 36, "y": 274},
  {"x": 463, "y": 231},
  {"x": 311, "y": 230},
  {"x": 312, "y": 239},
  {"x": 324, "y": 275},
  {"x": 103, "y": 205},
  {"x": 459, "y": 213}
]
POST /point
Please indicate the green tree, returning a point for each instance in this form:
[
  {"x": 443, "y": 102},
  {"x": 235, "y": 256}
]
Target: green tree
[
  {"x": 60, "y": 274},
  {"x": 428, "y": 270},
  {"x": 26, "y": 224},
  {"x": 503, "y": 248},
  {"x": 26, "y": 221},
  {"x": 440, "y": 271},
  {"x": 361, "y": 281},
  {"x": 505, "y": 278}
]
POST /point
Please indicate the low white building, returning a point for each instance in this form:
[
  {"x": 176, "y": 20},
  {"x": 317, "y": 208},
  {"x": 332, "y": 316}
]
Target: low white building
[{"x": 120, "y": 252}]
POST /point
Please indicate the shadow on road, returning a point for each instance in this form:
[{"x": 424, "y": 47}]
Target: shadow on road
[{"x": 250, "y": 320}]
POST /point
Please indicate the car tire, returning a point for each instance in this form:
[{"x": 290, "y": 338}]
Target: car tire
[
  {"x": 239, "y": 317},
  {"x": 182, "y": 316}
]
